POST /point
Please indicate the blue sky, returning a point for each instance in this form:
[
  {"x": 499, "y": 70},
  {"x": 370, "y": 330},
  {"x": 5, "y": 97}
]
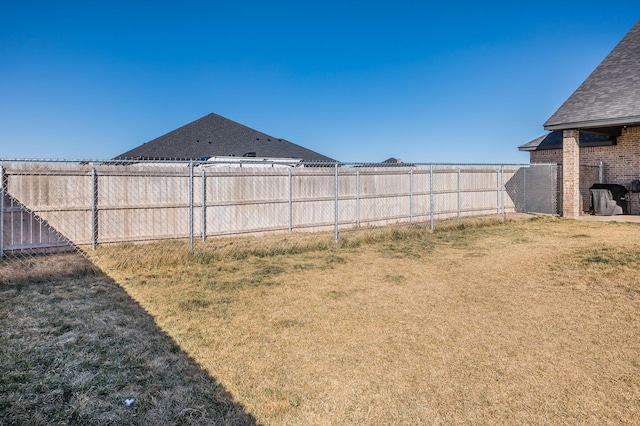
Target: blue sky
[{"x": 442, "y": 81}]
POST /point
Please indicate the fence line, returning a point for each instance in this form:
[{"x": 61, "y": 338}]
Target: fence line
[
  {"x": 93, "y": 204},
  {"x": 2, "y": 208}
]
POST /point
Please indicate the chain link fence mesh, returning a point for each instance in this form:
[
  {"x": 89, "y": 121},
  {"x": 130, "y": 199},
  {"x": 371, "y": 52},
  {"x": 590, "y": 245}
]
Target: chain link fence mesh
[
  {"x": 53, "y": 207},
  {"x": 536, "y": 188}
]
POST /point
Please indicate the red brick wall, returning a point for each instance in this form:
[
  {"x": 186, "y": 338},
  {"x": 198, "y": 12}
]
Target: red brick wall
[
  {"x": 546, "y": 156},
  {"x": 572, "y": 203},
  {"x": 621, "y": 162}
]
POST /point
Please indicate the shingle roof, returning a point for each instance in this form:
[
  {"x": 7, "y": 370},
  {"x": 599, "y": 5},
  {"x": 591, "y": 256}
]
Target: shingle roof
[
  {"x": 610, "y": 96},
  {"x": 214, "y": 135},
  {"x": 553, "y": 140}
]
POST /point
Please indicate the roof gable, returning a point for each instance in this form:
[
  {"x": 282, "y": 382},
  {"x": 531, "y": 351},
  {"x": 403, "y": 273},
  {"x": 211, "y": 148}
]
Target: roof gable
[
  {"x": 217, "y": 136},
  {"x": 610, "y": 96}
]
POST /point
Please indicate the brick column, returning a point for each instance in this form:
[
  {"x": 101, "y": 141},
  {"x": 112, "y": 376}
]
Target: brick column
[{"x": 570, "y": 174}]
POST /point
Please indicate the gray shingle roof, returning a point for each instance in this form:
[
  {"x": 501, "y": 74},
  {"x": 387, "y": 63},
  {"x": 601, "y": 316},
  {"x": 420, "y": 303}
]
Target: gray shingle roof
[
  {"x": 610, "y": 96},
  {"x": 214, "y": 135},
  {"x": 553, "y": 140}
]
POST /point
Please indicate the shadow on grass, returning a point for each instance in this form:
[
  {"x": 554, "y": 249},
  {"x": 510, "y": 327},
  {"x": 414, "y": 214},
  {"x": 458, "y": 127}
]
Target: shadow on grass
[{"x": 75, "y": 348}]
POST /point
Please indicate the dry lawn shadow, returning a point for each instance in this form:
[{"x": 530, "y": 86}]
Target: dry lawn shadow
[{"x": 74, "y": 347}]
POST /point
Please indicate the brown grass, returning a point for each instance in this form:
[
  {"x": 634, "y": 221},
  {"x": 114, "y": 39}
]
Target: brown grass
[
  {"x": 533, "y": 322},
  {"x": 74, "y": 346}
]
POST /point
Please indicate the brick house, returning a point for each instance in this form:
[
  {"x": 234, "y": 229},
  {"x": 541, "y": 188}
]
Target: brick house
[{"x": 598, "y": 124}]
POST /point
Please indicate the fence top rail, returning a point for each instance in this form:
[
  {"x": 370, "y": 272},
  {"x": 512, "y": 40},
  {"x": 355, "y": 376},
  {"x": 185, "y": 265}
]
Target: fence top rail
[
  {"x": 251, "y": 163},
  {"x": 41, "y": 169}
]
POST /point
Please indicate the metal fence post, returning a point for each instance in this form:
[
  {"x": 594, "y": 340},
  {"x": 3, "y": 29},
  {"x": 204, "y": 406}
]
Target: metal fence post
[
  {"x": 410, "y": 195},
  {"x": 459, "y": 195},
  {"x": 290, "y": 201},
  {"x": 94, "y": 209},
  {"x": 498, "y": 191},
  {"x": 336, "y": 202},
  {"x": 558, "y": 195},
  {"x": 524, "y": 190},
  {"x": 600, "y": 174},
  {"x": 431, "y": 220},
  {"x": 358, "y": 198},
  {"x": 204, "y": 205},
  {"x": 191, "y": 205},
  {"x": 502, "y": 192},
  {"x": 2, "y": 195},
  {"x": 555, "y": 175}
]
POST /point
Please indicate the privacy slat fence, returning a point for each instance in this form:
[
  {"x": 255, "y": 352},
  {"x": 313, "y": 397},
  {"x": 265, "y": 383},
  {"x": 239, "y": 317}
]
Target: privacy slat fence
[{"x": 47, "y": 205}]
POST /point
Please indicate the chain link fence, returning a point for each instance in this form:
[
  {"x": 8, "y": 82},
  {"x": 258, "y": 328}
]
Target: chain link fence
[
  {"x": 536, "y": 188},
  {"x": 56, "y": 206}
]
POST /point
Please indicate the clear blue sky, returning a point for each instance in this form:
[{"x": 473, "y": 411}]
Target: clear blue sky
[{"x": 442, "y": 81}]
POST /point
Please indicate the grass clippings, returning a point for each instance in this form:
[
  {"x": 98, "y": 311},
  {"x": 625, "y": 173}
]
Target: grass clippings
[{"x": 76, "y": 349}]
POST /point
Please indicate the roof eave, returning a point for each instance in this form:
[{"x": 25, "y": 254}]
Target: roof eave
[{"x": 595, "y": 124}]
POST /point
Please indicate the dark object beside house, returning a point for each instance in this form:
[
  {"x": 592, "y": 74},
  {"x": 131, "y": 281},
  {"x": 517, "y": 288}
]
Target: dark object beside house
[
  {"x": 618, "y": 194},
  {"x": 603, "y": 203}
]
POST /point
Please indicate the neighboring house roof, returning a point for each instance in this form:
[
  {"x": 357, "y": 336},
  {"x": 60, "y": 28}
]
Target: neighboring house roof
[
  {"x": 389, "y": 162},
  {"x": 610, "y": 97},
  {"x": 217, "y": 136},
  {"x": 553, "y": 140},
  {"x": 392, "y": 160},
  {"x": 396, "y": 162}
]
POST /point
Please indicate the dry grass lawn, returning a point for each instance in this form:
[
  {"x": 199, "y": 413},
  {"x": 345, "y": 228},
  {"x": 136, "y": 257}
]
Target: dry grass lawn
[
  {"x": 528, "y": 322},
  {"x": 74, "y": 347},
  {"x": 534, "y": 322}
]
